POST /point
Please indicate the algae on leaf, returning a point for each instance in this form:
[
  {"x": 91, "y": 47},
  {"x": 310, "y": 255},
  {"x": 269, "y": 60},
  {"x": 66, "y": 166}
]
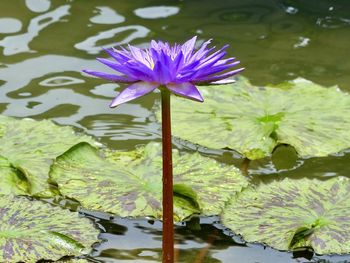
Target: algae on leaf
[
  {"x": 291, "y": 213},
  {"x": 32, "y": 230},
  {"x": 254, "y": 120},
  {"x": 31, "y": 147},
  {"x": 129, "y": 183}
]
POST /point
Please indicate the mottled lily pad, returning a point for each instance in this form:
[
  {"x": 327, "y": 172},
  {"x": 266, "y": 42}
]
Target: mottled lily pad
[
  {"x": 33, "y": 230},
  {"x": 294, "y": 213},
  {"x": 32, "y": 146},
  {"x": 253, "y": 120},
  {"x": 130, "y": 183}
]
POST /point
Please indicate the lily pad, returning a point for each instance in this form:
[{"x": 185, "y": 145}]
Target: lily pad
[
  {"x": 130, "y": 183},
  {"x": 12, "y": 180},
  {"x": 33, "y": 230},
  {"x": 32, "y": 146},
  {"x": 294, "y": 213},
  {"x": 254, "y": 120}
]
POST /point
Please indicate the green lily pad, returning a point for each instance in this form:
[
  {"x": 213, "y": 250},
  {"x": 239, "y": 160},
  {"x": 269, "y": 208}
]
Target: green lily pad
[
  {"x": 12, "y": 180},
  {"x": 32, "y": 146},
  {"x": 33, "y": 230},
  {"x": 130, "y": 183},
  {"x": 254, "y": 120},
  {"x": 294, "y": 213}
]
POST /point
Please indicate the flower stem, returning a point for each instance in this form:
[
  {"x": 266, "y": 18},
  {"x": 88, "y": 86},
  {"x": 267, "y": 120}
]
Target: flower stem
[{"x": 168, "y": 217}]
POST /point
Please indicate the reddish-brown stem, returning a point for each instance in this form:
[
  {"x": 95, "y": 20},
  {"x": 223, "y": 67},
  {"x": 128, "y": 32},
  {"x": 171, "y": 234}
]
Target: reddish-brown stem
[
  {"x": 168, "y": 217},
  {"x": 205, "y": 250}
]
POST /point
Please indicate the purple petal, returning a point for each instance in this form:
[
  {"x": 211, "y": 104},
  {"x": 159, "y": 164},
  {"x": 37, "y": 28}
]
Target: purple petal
[
  {"x": 215, "y": 54},
  {"x": 161, "y": 73},
  {"x": 118, "y": 55},
  {"x": 202, "y": 51},
  {"x": 187, "y": 90},
  {"x": 113, "y": 65},
  {"x": 208, "y": 63},
  {"x": 189, "y": 66},
  {"x": 134, "y": 91},
  {"x": 141, "y": 55},
  {"x": 188, "y": 46},
  {"x": 175, "y": 50},
  {"x": 213, "y": 70},
  {"x": 177, "y": 66},
  {"x": 134, "y": 69},
  {"x": 111, "y": 77},
  {"x": 159, "y": 45},
  {"x": 178, "y": 61},
  {"x": 218, "y": 77},
  {"x": 154, "y": 44}
]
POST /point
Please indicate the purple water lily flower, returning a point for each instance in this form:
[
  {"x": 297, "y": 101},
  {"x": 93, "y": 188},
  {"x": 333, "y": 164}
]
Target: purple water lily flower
[{"x": 178, "y": 68}]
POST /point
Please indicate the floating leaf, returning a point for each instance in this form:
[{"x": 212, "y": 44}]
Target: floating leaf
[
  {"x": 12, "y": 180},
  {"x": 294, "y": 213},
  {"x": 31, "y": 147},
  {"x": 212, "y": 182},
  {"x": 253, "y": 120},
  {"x": 130, "y": 183},
  {"x": 33, "y": 230}
]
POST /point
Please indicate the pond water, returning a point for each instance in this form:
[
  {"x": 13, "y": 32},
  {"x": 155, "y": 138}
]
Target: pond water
[{"x": 45, "y": 44}]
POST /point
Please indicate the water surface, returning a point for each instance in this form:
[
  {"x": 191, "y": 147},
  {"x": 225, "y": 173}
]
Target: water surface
[{"x": 45, "y": 44}]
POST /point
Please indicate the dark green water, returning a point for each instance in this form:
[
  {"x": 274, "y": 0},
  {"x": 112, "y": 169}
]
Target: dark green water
[{"x": 45, "y": 44}]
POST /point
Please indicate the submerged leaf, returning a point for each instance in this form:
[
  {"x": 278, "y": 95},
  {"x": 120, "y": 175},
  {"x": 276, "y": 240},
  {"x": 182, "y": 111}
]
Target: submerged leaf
[
  {"x": 33, "y": 230},
  {"x": 294, "y": 213},
  {"x": 253, "y": 120},
  {"x": 31, "y": 147},
  {"x": 130, "y": 183}
]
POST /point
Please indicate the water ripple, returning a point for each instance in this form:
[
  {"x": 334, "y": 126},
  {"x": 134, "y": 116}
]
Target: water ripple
[
  {"x": 90, "y": 44},
  {"x": 154, "y": 12},
  {"x": 88, "y": 106},
  {"x": 10, "y": 25},
  {"x": 333, "y": 22},
  {"x": 38, "y": 6},
  {"x": 105, "y": 90},
  {"x": 34, "y": 68},
  {"x": 60, "y": 81},
  {"x": 20, "y": 43},
  {"x": 106, "y": 15}
]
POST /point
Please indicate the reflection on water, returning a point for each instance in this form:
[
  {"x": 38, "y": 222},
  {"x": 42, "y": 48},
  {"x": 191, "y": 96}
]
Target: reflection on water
[
  {"x": 38, "y": 5},
  {"x": 91, "y": 46},
  {"x": 153, "y": 12},
  {"x": 106, "y": 15},
  {"x": 9, "y": 25},
  {"x": 205, "y": 241},
  {"x": 105, "y": 90},
  {"x": 60, "y": 81},
  {"x": 20, "y": 43},
  {"x": 191, "y": 242},
  {"x": 45, "y": 45}
]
